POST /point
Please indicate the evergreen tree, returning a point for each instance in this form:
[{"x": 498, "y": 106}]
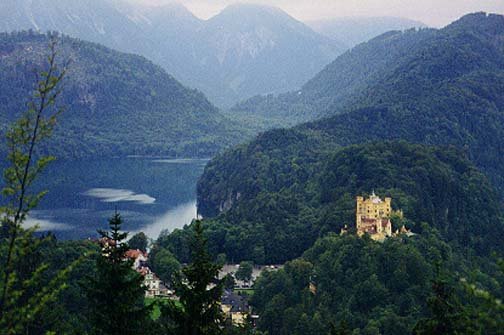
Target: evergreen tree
[
  {"x": 448, "y": 315},
  {"x": 116, "y": 293},
  {"x": 200, "y": 292}
]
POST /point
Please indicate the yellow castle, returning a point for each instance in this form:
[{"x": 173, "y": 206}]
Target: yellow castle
[{"x": 373, "y": 217}]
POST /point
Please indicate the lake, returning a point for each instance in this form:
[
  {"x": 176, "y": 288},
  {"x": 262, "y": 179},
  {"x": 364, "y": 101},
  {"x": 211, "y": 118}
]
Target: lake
[{"x": 150, "y": 194}]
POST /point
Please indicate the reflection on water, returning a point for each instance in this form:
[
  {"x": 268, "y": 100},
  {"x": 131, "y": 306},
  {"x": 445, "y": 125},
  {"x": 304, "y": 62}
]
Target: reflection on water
[
  {"x": 150, "y": 194},
  {"x": 174, "y": 218},
  {"x": 115, "y": 195},
  {"x": 44, "y": 222}
]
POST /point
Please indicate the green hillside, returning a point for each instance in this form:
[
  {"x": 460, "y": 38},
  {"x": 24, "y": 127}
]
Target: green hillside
[
  {"x": 401, "y": 70},
  {"x": 437, "y": 88},
  {"x": 415, "y": 117},
  {"x": 282, "y": 200},
  {"x": 289, "y": 193},
  {"x": 116, "y": 104},
  {"x": 362, "y": 287}
]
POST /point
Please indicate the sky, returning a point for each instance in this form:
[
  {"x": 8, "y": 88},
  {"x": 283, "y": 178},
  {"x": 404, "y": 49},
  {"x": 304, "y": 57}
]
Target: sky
[{"x": 435, "y": 13}]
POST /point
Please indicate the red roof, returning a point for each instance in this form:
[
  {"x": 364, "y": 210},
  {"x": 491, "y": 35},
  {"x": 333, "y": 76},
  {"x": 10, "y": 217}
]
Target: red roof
[{"x": 134, "y": 254}]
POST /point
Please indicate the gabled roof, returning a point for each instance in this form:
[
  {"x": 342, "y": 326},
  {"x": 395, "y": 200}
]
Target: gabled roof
[{"x": 237, "y": 302}]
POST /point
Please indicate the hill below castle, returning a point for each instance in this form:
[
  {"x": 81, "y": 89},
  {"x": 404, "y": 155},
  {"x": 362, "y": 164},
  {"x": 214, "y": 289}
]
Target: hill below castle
[
  {"x": 434, "y": 87},
  {"x": 282, "y": 200}
]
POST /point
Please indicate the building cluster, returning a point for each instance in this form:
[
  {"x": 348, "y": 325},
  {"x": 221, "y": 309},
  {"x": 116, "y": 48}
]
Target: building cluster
[
  {"x": 235, "y": 305},
  {"x": 155, "y": 288}
]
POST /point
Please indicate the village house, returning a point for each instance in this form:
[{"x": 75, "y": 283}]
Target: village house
[
  {"x": 139, "y": 258},
  {"x": 235, "y": 307},
  {"x": 155, "y": 288}
]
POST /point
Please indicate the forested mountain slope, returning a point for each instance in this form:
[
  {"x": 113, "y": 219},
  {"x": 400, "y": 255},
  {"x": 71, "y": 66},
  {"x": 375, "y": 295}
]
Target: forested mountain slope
[
  {"x": 449, "y": 92},
  {"x": 285, "y": 189},
  {"x": 346, "y": 284},
  {"x": 116, "y": 103},
  {"x": 356, "y": 30},
  {"x": 399, "y": 69}
]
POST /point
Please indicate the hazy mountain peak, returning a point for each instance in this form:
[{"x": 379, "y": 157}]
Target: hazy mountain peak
[
  {"x": 173, "y": 8},
  {"x": 250, "y": 8},
  {"x": 245, "y": 16},
  {"x": 172, "y": 14},
  {"x": 243, "y": 51}
]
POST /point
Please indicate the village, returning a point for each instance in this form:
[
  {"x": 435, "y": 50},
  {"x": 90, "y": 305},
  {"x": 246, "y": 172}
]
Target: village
[
  {"x": 373, "y": 218},
  {"x": 234, "y": 301}
]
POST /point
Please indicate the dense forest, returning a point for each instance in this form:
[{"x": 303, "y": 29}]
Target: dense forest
[
  {"x": 340, "y": 283},
  {"x": 282, "y": 206},
  {"x": 278, "y": 204},
  {"x": 348, "y": 285},
  {"x": 118, "y": 104}
]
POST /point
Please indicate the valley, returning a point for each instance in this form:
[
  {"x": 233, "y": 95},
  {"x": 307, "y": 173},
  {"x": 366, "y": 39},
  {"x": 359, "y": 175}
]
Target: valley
[
  {"x": 248, "y": 173},
  {"x": 243, "y": 51}
]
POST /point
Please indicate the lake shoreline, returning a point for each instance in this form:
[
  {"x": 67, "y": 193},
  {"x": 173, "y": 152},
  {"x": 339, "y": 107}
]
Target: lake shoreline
[{"x": 152, "y": 194}]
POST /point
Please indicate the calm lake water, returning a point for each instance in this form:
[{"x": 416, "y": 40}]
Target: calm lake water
[{"x": 150, "y": 194}]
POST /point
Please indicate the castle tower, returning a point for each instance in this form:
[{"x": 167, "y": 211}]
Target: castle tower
[{"x": 373, "y": 216}]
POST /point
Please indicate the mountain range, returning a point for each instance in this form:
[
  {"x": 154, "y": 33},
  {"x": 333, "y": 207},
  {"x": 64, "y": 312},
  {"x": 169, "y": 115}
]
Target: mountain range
[
  {"x": 243, "y": 51},
  {"x": 116, "y": 104},
  {"x": 399, "y": 68}
]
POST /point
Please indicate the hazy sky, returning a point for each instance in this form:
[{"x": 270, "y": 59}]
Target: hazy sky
[{"x": 432, "y": 12}]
